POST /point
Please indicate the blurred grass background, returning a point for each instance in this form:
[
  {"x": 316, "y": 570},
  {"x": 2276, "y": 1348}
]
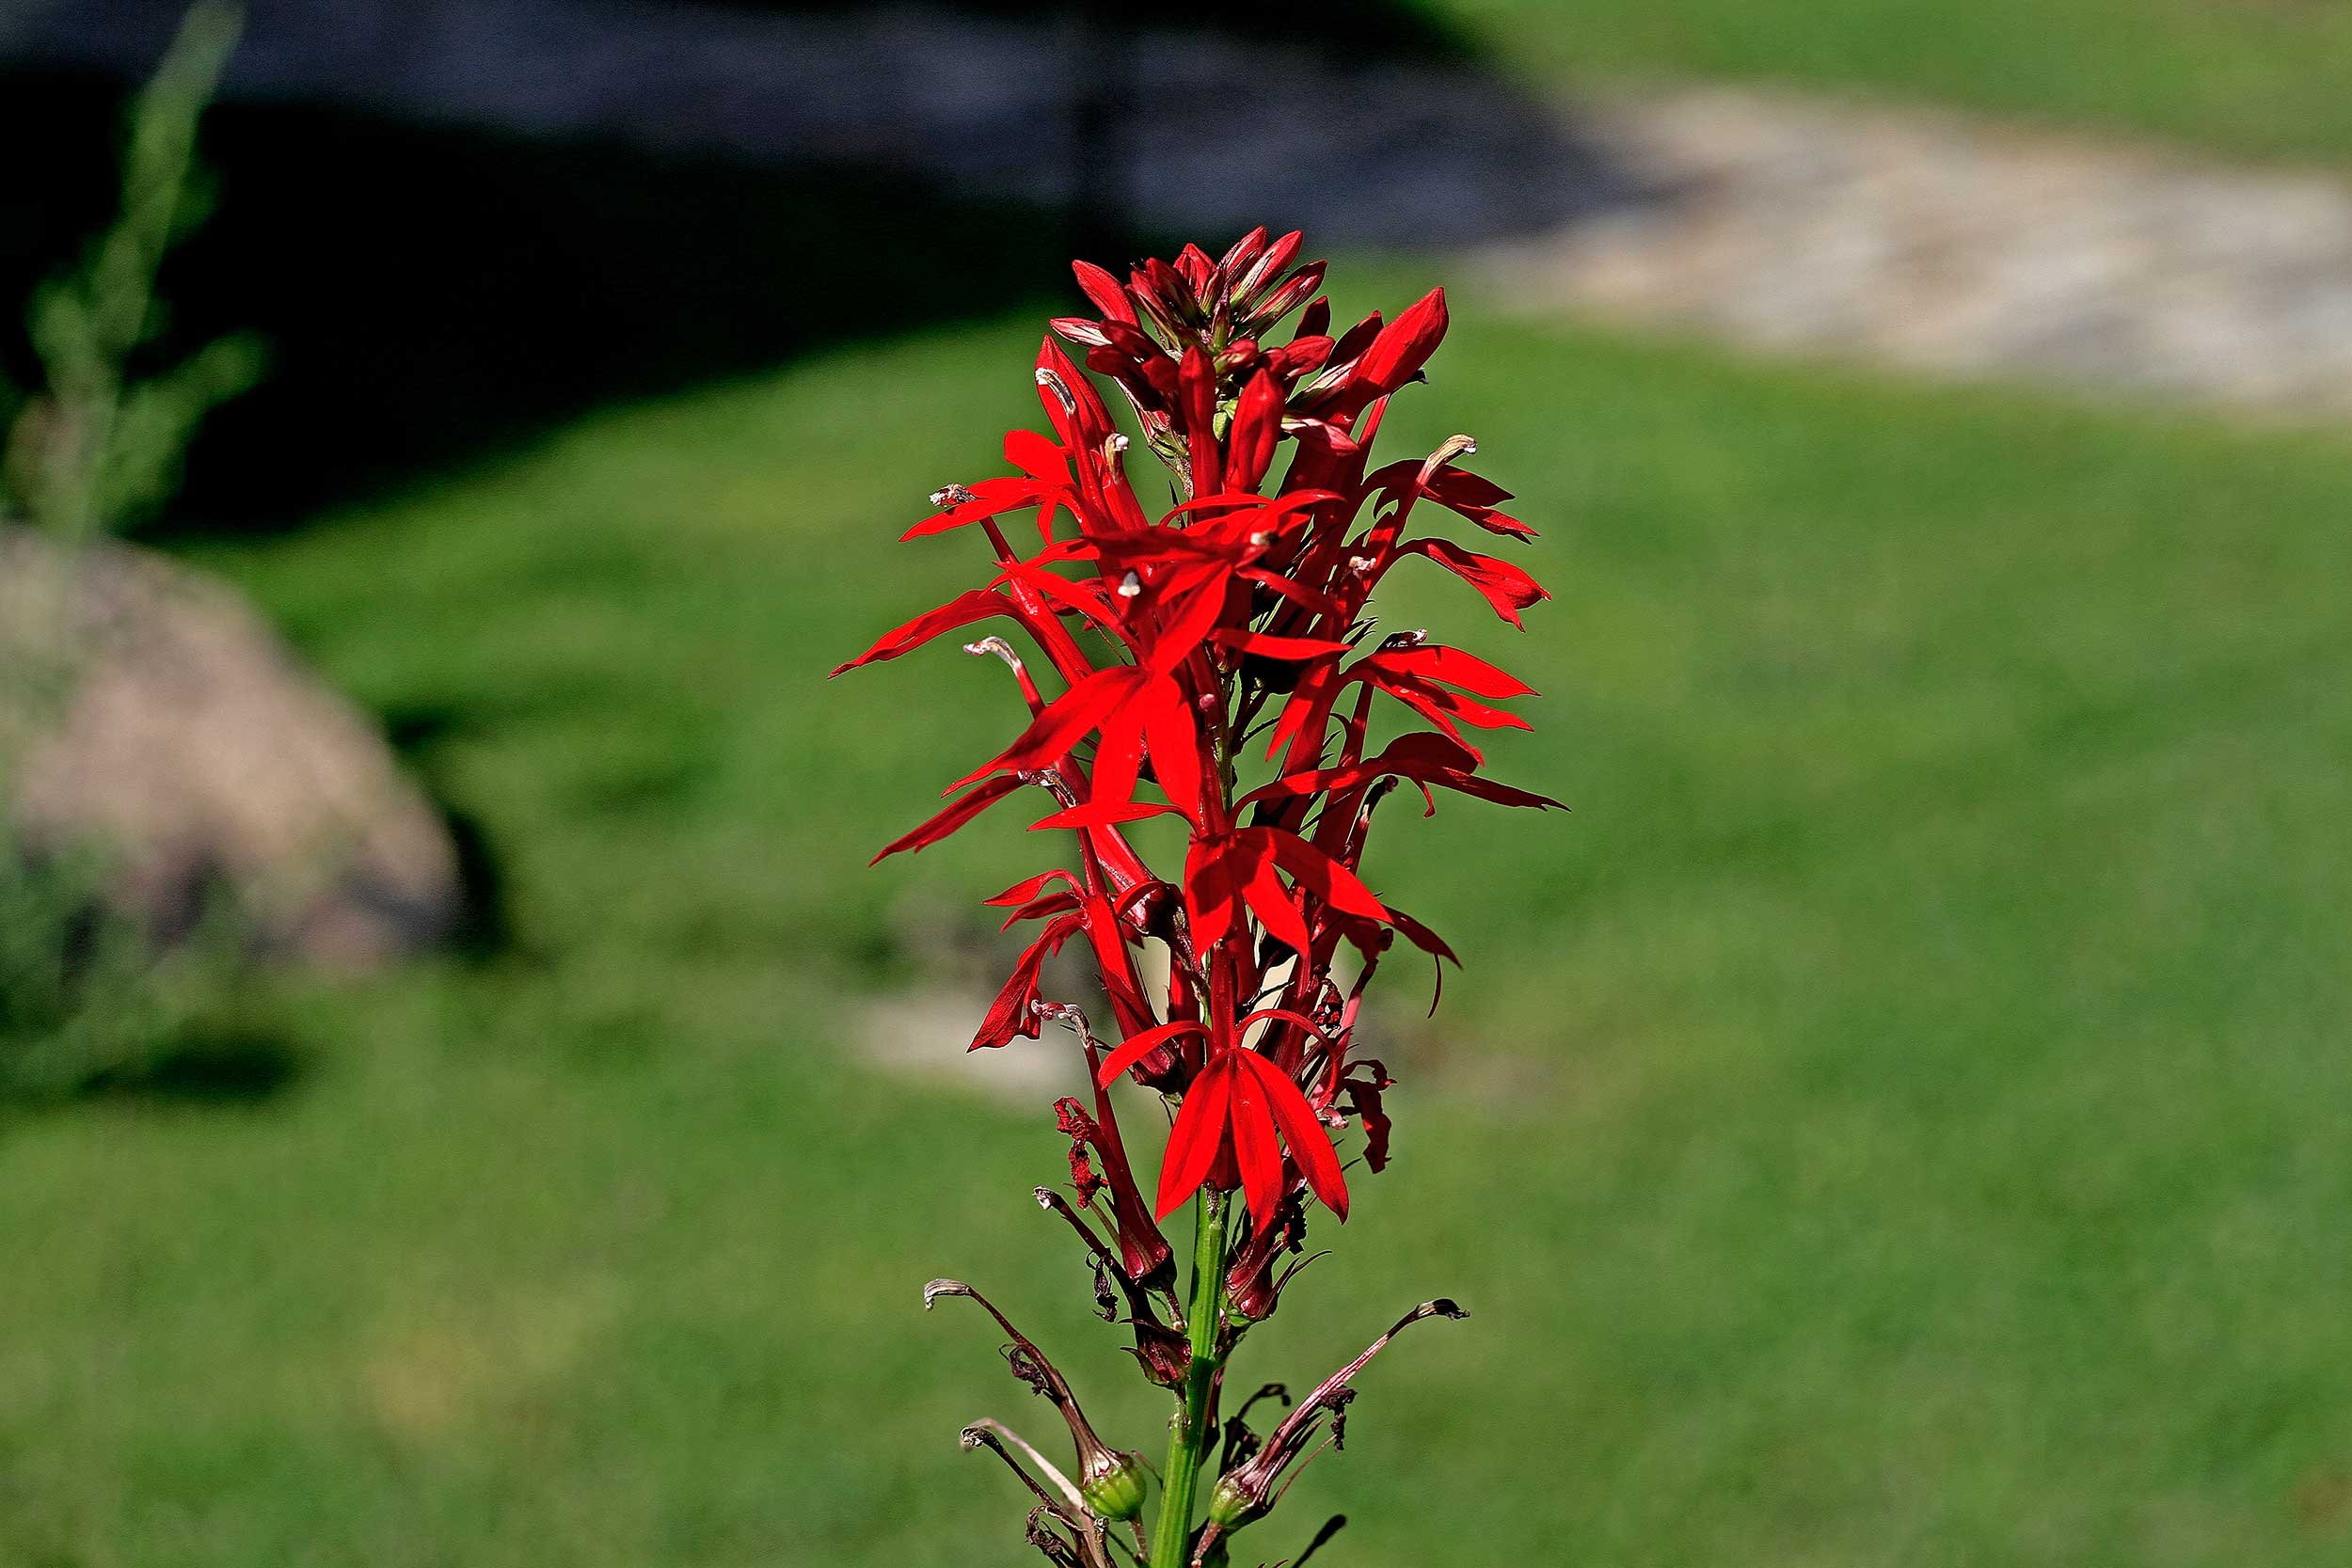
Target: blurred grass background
[{"x": 1900, "y": 1118}]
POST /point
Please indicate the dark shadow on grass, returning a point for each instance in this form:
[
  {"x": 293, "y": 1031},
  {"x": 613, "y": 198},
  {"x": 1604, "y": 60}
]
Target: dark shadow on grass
[
  {"x": 227, "y": 1068},
  {"x": 485, "y": 928},
  {"x": 460, "y": 226},
  {"x": 431, "y": 295}
]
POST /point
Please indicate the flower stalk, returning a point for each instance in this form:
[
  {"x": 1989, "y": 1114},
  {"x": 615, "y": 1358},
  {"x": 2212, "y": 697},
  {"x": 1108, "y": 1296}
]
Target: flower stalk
[
  {"x": 1217, "y": 667},
  {"x": 1190, "y": 1431}
]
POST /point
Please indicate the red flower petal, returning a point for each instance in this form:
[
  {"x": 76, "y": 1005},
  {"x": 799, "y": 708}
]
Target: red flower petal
[
  {"x": 1310, "y": 1143},
  {"x": 962, "y": 810},
  {"x": 1021, "y": 891},
  {"x": 1506, "y": 588},
  {"x": 961, "y": 611},
  {"x": 1245, "y": 250},
  {"x": 1195, "y": 382},
  {"x": 1475, "y": 499},
  {"x": 1321, "y": 875},
  {"x": 988, "y": 499},
  {"x": 1257, "y": 426},
  {"x": 1099, "y": 813},
  {"x": 1136, "y": 1047},
  {"x": 1211, "y": 893},
  {"x": 1036, "y": 456},
  {"x": 1272, "y": 903},
  {"x": 1118, "y": 756},
  {"x": 1397, "y": 355},
  {"x": 1014, "y": 1011},
  {"x": 1255, "y": 1149},
  {"x": 1169, "y": 729},
  {"x": 1424, "y": 756},
  {"x": 1105, "y": 290},
  {"x": 1266, "y": 647},
  {"x": 1198, "y": 1133},
  {"x": 1065, "y": 721},
  {"x": 1431, "y": 661}
]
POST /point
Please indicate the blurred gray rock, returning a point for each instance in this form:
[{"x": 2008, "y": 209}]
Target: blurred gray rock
[{"x": 149, "y": 710}]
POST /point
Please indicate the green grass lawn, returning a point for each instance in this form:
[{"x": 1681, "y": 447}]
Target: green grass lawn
[
  {"x": 1900, "y": 1119},
  {"x": 2271, "y": 78}
]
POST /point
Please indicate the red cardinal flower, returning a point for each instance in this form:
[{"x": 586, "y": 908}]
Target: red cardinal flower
[
  {"x": 1215, "y": 664},
  {"x": 1240, "y": 612}
]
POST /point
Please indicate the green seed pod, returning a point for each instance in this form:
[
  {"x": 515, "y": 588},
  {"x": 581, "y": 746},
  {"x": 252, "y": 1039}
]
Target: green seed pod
[
  {"x": 1115, "y": 1490},
  {"x": 1231, "y": 1505}
]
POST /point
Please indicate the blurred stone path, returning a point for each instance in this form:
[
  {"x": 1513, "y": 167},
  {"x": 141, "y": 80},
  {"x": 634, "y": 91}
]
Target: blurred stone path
[{"x": 1936, "y": 242}]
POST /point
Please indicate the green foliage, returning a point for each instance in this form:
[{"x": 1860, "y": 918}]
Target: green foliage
[
  {"x": 57, "y": 955},
  {"x": 84, "y": 998},
  {"x": 101, "y": 444},
  {"x": 83, "y": 995}
]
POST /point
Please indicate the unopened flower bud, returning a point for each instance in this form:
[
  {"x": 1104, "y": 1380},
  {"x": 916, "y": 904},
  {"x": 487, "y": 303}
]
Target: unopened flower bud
[{"x": 1114, "y": 1491}]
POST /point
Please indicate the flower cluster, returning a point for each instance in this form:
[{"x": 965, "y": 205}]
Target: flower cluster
[{"x": 1215, "y": 665}]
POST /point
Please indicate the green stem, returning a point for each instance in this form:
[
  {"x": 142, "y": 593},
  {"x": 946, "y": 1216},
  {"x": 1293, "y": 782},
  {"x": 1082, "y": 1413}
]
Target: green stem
[{"x": 1171, "y": 1532}]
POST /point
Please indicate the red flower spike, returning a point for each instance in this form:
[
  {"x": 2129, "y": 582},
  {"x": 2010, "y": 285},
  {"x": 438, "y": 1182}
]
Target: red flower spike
[{"x": 1242, "y": 614}]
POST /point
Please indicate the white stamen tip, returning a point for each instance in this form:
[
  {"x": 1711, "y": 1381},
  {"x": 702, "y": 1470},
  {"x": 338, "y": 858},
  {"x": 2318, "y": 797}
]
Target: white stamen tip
[
  {"x": 1061, "y": 394},
  {"x": 1130, "y": 585}
]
